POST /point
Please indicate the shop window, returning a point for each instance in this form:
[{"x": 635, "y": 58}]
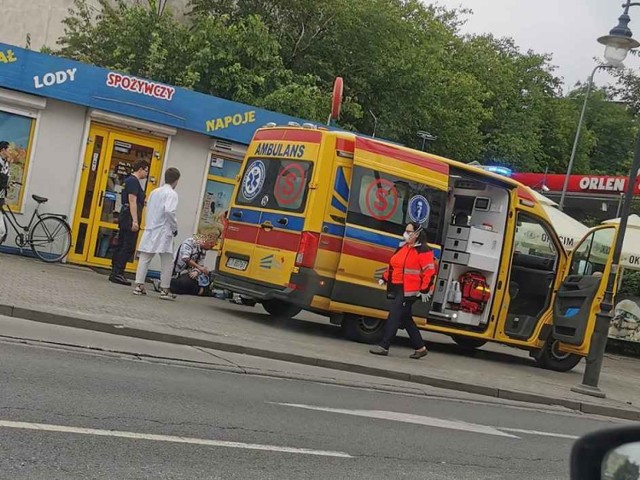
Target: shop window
[
  {"x": 217, "y": 195},
  {"x": 18, "y": 131}
]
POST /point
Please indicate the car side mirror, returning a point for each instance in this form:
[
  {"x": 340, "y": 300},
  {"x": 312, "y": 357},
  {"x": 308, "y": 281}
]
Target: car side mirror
[{"x": 607, "y": 455}]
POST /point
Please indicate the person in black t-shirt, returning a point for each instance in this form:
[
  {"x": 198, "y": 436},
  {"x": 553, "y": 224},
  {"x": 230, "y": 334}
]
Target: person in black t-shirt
[{"x": 129, "y": 221}]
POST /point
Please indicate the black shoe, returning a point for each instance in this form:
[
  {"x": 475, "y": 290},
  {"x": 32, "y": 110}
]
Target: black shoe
[{"x": 119, "y": 279}]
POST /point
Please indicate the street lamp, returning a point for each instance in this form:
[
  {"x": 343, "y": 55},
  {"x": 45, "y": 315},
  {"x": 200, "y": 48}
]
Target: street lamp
[
  {"x": 617, "y": 46},
  {"x": 426, "y": 137},
  {"x": 578, "y": 131}
]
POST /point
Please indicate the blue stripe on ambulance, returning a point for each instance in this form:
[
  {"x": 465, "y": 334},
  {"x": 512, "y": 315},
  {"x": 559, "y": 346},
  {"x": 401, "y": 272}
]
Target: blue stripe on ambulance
[
  {"x": 341, "y": 186},
  {"x": 333, "y": 229},
  {"x": 256, "y": 217},
  {"x": 381, "y": 239}
]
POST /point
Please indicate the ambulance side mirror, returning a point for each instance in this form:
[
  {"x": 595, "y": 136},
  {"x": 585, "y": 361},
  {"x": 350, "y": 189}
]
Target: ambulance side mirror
[{"x": 607, "y": 455}]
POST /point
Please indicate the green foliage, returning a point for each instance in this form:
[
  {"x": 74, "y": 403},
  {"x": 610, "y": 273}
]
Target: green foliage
[
  {"x": 404, "y": 62},
  {"x": 630, "y": 283}
]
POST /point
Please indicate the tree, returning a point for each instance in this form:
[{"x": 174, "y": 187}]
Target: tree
[
  {"x": 233, "y": 58},
  {"x": 404, "y": 63},
  {"x": 131, "y": 39}
]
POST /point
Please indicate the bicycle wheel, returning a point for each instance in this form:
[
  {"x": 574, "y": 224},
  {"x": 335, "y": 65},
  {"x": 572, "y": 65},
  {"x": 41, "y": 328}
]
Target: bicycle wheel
[{"x": 50, "y": 239}]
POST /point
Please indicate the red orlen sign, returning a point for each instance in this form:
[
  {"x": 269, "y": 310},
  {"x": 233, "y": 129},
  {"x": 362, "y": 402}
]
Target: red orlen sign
[{"x": 602, "y": 184}]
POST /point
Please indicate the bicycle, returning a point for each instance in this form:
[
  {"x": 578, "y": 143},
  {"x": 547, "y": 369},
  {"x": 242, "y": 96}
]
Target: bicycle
[{"x": 48, "y": 234}]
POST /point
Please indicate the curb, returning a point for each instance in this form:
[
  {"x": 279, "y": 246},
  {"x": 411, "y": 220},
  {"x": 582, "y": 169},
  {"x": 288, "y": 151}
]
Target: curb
[{"x": 438, "y": 382}]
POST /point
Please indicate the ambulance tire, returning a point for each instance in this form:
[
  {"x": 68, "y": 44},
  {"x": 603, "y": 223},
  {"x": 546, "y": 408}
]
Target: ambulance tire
[
  {"x": 468, "y": 343},
  {"x": 361, "y": 329},
  {"x": 280, "y": 309},
  {"x": 550, "y": 358}
]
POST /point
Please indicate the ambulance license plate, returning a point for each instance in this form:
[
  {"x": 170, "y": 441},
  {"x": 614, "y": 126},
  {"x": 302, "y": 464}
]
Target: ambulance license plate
[{"x": 237, "y": 264}]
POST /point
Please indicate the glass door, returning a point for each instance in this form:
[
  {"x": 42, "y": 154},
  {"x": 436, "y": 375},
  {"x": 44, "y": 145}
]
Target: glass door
[
  {"x": 109, "y": 160},
  {"x": 123, "y": 150},
  {"x": 88, "y": 192}
]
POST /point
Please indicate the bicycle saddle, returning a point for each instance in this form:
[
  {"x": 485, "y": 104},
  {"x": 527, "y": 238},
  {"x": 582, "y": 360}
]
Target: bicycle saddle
[{"x": 39, "y": 199}]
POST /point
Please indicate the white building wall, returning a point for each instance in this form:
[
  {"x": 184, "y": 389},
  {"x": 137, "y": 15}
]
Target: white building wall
[
  {"x": 188, "y": 153},
  {"x": 41, "y": 20}
]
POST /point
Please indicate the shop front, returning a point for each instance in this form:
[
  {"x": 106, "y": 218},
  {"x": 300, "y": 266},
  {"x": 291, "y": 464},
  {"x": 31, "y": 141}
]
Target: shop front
[{"x": 75, "y": 130}]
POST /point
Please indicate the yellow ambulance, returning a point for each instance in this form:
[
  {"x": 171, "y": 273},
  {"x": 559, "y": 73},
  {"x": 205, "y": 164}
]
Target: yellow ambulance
[{"x": 316, "y": 215}]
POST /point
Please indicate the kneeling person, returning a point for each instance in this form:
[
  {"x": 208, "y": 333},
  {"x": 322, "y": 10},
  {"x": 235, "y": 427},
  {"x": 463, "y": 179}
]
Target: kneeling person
[{"x": 190, "y": 276}]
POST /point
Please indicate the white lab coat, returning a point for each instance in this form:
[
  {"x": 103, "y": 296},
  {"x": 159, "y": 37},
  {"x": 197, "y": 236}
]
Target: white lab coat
[{"x": 160, "y": 221}]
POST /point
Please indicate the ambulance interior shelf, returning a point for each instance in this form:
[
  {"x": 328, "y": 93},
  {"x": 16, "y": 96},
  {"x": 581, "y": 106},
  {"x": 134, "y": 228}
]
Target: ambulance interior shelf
[{"x": 471, "y": 253}]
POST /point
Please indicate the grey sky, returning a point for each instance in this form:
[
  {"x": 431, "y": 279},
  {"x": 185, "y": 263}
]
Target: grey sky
[{"x": 567, "y": 29}]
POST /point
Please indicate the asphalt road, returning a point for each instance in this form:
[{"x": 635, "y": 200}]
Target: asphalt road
[{"x": 69, "y": 414}]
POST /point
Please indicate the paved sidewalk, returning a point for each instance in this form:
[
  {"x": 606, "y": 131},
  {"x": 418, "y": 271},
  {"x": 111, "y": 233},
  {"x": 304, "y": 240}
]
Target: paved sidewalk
[{"x": 77, "y": 296}]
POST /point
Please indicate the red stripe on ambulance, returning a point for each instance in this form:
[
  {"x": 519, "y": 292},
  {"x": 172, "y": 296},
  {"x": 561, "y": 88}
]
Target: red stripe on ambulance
[
  {"x": 279, "y": 134},
  {"x": 422, "y": 160}
]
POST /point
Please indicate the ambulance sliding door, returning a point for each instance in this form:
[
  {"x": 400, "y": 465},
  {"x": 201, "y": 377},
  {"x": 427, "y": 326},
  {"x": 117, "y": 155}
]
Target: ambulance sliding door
[{"x": 390, "y": 187}]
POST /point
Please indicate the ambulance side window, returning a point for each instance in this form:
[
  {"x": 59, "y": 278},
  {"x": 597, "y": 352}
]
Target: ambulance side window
[
  {"x": 385, "y": 202},
  {"x": 532, "y": 238}
]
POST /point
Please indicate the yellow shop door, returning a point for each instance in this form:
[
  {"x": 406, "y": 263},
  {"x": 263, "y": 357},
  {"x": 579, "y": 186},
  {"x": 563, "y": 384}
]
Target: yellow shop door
[{"x": 108, "y": 161}]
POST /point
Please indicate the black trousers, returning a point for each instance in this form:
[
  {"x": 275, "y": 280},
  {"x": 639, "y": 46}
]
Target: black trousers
[
  {"x": 185, "y": 285},
  {"x": 400, "y": 316},
  {"x": 124, "y": 250}
]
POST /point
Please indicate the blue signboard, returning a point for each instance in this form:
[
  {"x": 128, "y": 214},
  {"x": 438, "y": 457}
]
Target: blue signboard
[{"x": 70, "y": 81}]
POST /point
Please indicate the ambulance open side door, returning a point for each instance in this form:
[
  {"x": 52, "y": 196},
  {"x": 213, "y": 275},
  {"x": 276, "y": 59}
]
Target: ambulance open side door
[{"x": 582, "y": 290}]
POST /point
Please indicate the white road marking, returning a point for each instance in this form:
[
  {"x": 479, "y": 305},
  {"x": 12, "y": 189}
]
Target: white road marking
[
  {"x": 168, "y": 438},
  {"x": 432, "y": 422},
  {"x": 409, "y": 418},
  {"x": 537, "y": 432}
]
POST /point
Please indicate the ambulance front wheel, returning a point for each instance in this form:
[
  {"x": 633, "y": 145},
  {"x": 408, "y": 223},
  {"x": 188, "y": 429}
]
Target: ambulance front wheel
[
  {"x": 363, "y": 329},
  {"x": 551, "y": 358},
  {"x": 278, "y": 308}
]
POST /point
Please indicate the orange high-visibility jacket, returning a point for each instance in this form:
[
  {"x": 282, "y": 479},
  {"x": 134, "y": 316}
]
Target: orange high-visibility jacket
[{"x": 413, "y": 267}]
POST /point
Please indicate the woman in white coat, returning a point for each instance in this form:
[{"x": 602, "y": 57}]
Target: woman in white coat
[{"x": 161, "y": 226}]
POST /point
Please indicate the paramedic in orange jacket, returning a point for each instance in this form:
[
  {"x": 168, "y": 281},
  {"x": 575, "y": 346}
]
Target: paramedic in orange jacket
[{"x": 410, "y": 276}]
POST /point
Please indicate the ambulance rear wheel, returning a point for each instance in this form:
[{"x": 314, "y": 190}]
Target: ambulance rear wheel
[
  {"x": 363, "y": 329},
  {"x": 551, "y": 358},
  {"x": 468, "y": 342},
  {"x": 280, "y": 309}
]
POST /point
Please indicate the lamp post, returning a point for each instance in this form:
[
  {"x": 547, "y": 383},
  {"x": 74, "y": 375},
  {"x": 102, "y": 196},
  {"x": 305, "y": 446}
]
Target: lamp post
[
  {"x": 617, "y": 46},
  {"x": 578, "y": 131},
  {"x": 426, "y": 137}
]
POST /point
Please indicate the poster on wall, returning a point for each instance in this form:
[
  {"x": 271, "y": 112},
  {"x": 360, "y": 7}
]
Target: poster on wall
[
  {"x": 215, "y": 203},
  {"x": 16, "y": 130}
]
